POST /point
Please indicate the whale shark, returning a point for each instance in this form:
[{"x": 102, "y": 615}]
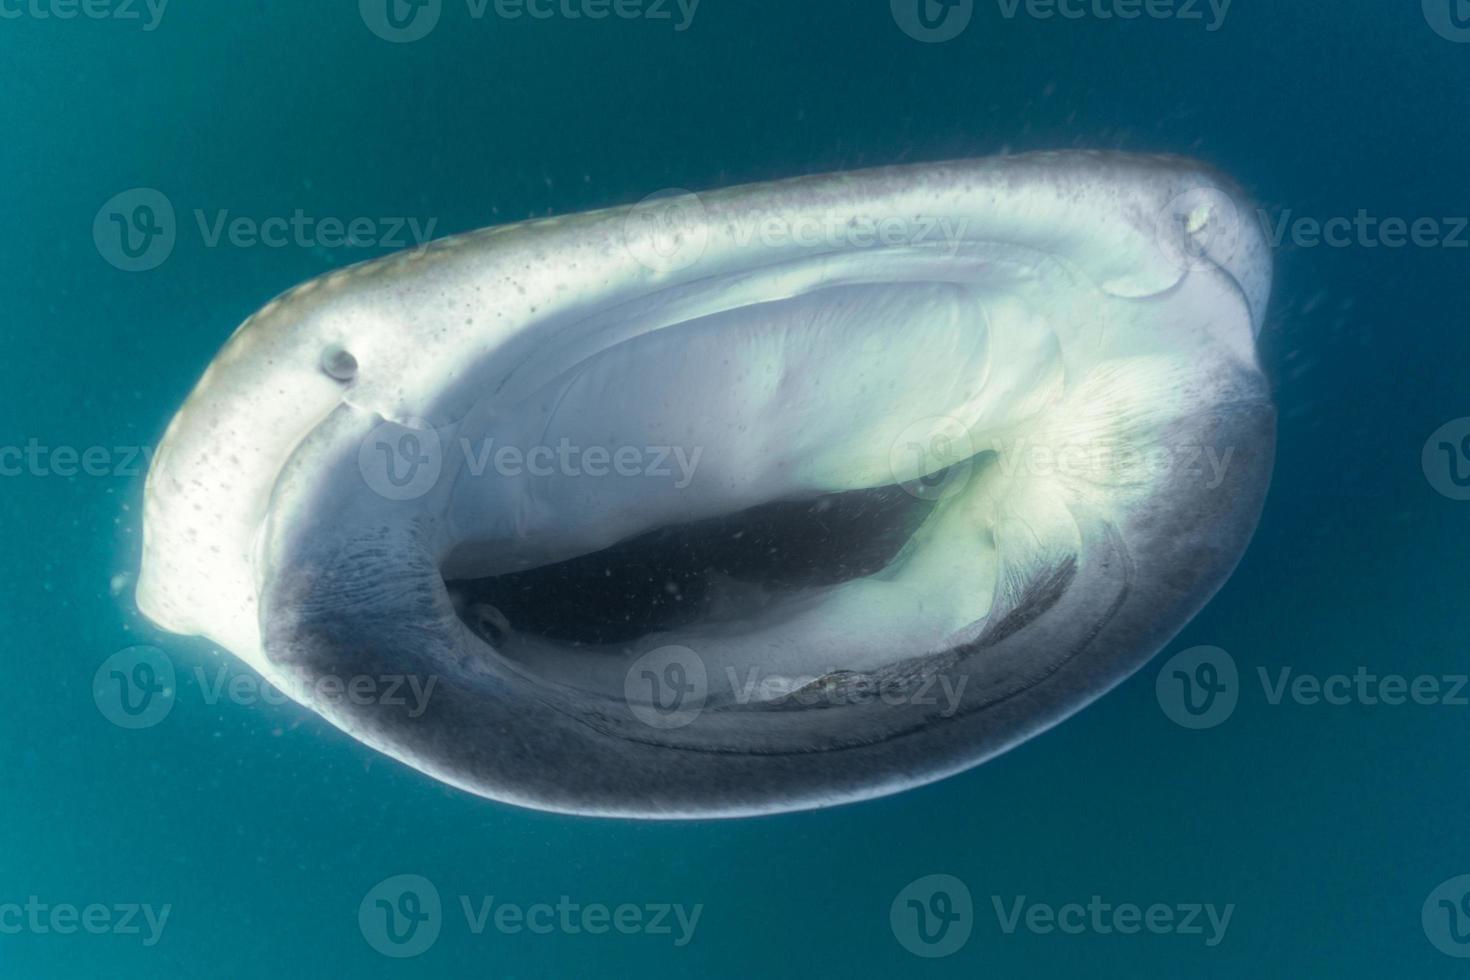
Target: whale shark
[{"x": 736, "y": 502}]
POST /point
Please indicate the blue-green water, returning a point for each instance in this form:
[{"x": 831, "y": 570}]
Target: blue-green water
[{"x": 1324, "y": 829}]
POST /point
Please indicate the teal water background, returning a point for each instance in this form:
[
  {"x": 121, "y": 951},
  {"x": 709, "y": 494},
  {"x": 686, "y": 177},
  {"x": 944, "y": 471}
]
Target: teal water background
[{"x": 263, "y": 828}]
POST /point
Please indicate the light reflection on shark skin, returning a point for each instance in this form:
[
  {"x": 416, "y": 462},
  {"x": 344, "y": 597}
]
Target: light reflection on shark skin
[{"x": 974, "y": 440}]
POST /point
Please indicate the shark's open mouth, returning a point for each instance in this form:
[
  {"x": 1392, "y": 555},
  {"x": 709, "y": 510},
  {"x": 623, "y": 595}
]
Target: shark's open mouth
[
  {"x": 722, "y": 569},
  {"x": 775, "y": 522}
]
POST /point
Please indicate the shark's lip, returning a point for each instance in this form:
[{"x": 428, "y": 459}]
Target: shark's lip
[{"x": 270, "y": 563}]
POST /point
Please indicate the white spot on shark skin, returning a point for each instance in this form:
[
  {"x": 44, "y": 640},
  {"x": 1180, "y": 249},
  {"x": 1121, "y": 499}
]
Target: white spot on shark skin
[
  {"x": 119, "y": 582},
  {"x": 958, "y": 483}
]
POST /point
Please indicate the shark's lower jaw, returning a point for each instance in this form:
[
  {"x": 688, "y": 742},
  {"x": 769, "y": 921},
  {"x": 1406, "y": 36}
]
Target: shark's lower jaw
[{"x": 781, "y": 528}]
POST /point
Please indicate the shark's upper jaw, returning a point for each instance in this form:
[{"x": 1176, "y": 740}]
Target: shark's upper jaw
[{"x": 1004, "y": 453}]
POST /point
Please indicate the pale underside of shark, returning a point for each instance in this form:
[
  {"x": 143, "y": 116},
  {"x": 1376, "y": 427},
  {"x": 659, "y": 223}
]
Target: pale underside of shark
[{"x": 949, "y": 450}]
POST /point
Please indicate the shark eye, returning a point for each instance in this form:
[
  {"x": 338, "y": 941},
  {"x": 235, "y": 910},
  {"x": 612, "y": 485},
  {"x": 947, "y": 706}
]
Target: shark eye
[
  {"x": 338, "y": 363},
  {"x": 757, "y": 500}
]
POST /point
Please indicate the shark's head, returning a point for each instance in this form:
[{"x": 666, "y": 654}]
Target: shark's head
[{"x": 763, "y": 499}]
